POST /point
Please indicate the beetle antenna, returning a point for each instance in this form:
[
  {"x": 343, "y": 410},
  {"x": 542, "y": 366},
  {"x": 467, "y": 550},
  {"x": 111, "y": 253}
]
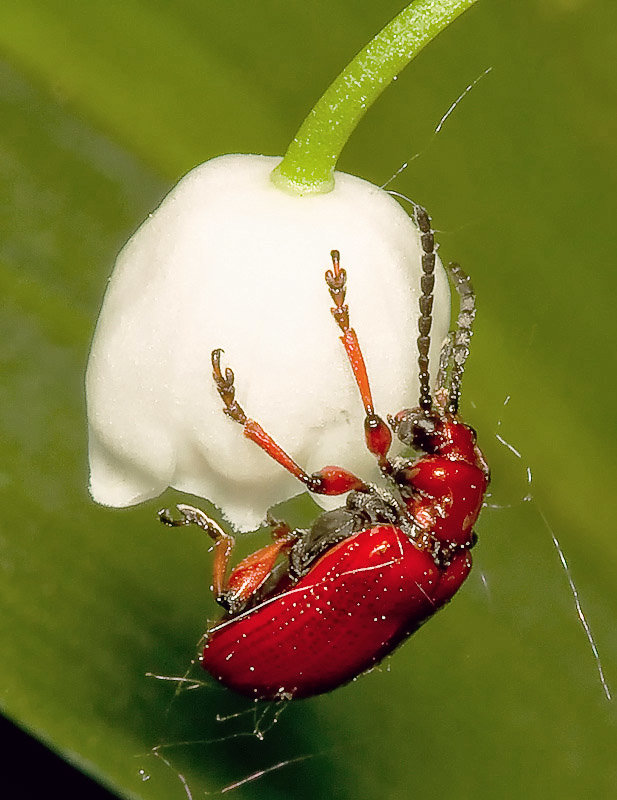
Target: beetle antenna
[
  {"x": 445, "y": 362},
  {"x": 425, "y": 320},
  {"x": 462, "y": 335}
]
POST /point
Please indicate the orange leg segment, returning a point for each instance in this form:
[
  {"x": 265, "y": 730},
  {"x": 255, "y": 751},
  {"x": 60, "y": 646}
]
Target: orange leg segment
[
  {"x": 329, "y": 480},
  {"x": 376, "y": 432},
  {"x": 246, "y": 578}
]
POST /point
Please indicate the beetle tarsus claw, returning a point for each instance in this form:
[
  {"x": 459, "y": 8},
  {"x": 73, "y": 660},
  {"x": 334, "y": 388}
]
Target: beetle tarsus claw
[{"x": 164, "y": 515}]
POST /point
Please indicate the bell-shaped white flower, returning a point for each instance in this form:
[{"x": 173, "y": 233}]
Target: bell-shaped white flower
[{"x": 231, "y": 261}]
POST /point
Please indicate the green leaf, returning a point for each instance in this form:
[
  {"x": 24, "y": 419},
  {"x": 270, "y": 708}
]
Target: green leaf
[{"x": 104, "y": 105}]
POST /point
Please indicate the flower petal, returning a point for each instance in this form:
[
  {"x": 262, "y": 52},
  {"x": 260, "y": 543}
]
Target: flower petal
[{"x": 228, "y": 260}]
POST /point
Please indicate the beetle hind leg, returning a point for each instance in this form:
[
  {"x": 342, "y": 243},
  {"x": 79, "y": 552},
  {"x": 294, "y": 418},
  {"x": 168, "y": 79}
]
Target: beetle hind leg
[
  {"x": 234, "y": 592},
  {"x": 223, "y": 542}
]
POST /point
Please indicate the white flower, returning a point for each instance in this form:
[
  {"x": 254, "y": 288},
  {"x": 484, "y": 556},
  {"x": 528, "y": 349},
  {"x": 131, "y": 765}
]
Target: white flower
[{"x": 228, "y": 260}]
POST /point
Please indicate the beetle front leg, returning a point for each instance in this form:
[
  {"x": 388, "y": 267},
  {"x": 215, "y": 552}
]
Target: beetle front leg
[{"x": 376, "y": 433}]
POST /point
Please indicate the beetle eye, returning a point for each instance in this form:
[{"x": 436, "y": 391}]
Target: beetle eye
[{"x": 415, "y": 428}]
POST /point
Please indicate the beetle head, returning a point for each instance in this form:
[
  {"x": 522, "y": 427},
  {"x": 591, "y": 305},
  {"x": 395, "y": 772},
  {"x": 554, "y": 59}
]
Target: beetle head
[
  {"x": 418, "y": 429},
  {"x": 436, "y": 433}
]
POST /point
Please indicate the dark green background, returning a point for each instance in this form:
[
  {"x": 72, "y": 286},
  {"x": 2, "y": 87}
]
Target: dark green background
[{"x": 104, "y": 105}]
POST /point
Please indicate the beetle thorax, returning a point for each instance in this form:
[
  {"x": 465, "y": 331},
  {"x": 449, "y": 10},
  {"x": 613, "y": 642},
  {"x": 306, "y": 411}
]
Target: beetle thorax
[{"x": 443, "y": 489}]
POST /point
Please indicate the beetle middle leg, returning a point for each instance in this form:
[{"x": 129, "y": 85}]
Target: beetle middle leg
[{"x": 329, "y": 481}]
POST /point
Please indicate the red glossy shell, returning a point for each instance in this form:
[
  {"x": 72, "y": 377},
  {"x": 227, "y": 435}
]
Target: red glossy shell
[
  {"x": 447, "y": 498},
  {"x": 355, "y": 605}
]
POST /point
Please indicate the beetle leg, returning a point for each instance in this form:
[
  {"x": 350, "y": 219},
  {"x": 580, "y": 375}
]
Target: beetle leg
[
  {"x": 452, "y": 578},
  {"x": 280, "y": 529},
  {"x": 376, "y": 433},
  {"x": 251, "y": 573},
  {"x": 223, "y": 542},
  {"x": 248, "y": 576},
  {"x": 329, "y": 480}
]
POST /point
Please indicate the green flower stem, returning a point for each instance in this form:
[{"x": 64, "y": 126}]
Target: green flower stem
[{"x": 308, "y": 165}]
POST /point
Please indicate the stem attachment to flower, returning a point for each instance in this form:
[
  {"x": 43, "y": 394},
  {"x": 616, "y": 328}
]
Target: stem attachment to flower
[{"x": 308, "y": 166}]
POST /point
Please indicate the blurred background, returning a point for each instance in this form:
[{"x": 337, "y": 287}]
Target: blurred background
[{"x": 104, "y": 106}]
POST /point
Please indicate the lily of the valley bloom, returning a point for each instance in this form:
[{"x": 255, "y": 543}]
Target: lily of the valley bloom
[{"x": 230, "y": 260}]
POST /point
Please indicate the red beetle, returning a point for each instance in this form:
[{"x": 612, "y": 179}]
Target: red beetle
[{"x": 318, "y": 607}]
